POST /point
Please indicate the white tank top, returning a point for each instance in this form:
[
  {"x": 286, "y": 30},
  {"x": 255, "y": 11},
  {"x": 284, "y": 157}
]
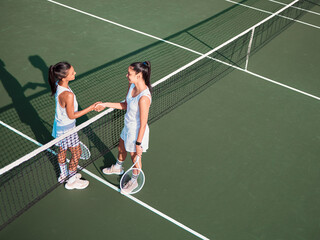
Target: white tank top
[
  {"x": 132, "y": 117},
  {"x": 61, "y": 120}
]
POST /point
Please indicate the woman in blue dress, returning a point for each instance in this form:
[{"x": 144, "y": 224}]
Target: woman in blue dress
[{"x": 60, "y": 75}]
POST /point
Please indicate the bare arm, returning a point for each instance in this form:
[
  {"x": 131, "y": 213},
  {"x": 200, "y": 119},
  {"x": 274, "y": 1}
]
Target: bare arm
[
  {"x": 67, "y": 100},
  {"x": 144, "y": 105},
  {"x": 121, "y": 105}
]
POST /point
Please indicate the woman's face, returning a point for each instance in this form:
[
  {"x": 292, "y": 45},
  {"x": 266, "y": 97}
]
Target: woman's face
[
  {"x": 132, "y": 76},
  {"x": 71, "y": 74}
]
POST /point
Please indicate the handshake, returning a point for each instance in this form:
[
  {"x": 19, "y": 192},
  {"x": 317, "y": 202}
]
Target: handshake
[{"x": 98, "y": 107}]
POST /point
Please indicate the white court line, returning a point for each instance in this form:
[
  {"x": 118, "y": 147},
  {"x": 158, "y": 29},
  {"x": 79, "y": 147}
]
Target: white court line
[
  {"x": 281, "y": 3},
  {"x": 123, "y": 26},
  {"x": 202, "y": 56},
  {"x": 264, "y": 11},
  {"x": 269, "y": 80},
  {"x": 188, "y": 49},
  {"x": 114, "y": 187}
]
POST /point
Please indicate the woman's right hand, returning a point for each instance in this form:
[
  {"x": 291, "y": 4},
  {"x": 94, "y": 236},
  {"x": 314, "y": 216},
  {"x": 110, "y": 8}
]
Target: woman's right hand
[
  {"x": 99, "y": 107},
  {"x": 93, "y": 106}
]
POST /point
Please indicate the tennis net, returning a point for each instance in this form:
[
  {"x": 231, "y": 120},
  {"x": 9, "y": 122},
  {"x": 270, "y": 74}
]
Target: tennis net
[{"x": 30, "y": 178}]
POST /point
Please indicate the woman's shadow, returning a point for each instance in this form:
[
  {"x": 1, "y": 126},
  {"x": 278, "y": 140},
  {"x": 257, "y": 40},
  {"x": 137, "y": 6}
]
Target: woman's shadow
[{"x": 24, "y": 109}]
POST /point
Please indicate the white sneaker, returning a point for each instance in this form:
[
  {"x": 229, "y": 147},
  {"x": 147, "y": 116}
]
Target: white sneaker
[
  {"x": 129, "y": 187},
  {"x": 113, "y": 170},
  {"x": 62, "y": 178},
  {"x": 77, "y": 183}
]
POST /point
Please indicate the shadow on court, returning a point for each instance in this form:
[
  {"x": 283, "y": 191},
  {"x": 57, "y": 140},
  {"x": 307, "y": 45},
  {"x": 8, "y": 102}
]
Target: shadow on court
[{"x": 108, "y": 83}]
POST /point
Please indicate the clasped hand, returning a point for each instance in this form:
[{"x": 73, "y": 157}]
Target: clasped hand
[{"x": 98, "y": 106}]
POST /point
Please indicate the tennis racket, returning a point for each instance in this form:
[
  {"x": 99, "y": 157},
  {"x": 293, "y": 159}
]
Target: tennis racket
[
  {"x": 85, "y": 153},
  {"x": 132, "y": 180}
]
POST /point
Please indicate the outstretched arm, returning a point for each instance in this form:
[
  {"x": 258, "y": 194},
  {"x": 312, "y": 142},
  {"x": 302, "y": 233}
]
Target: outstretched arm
[
  {"x": 68, "y": 99},
  {"x": 101, "y": 106},
  {"x": 121, "y": 105}
]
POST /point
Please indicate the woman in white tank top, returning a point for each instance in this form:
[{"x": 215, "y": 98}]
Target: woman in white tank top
[
  {"x": 134, "y": 137},
  {"x": 60, "y": 75}
]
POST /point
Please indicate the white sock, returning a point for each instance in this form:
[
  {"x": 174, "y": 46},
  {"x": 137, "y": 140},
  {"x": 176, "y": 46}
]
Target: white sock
[
  {"x": 134, "y": 177},
  {"x": 63, "y": 169},
  {"x": 118, "y": 164}
]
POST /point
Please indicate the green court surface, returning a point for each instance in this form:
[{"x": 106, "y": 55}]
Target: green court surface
[{"x": 238, "y": 161}]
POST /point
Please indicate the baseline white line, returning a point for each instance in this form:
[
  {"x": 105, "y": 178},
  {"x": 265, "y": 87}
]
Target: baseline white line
[
  {"x": 281, "y": 3},
  {"x": 264, "y": 11},
  {"x": 170, "y": 219}
]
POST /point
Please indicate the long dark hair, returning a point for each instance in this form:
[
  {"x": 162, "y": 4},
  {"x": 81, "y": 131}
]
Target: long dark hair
[
  {"x": 56, "y": 73},
  {"x": 145, "y": 69}
]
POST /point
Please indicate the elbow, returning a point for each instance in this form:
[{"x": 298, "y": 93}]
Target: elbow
[{"x": 72, "y": 117}]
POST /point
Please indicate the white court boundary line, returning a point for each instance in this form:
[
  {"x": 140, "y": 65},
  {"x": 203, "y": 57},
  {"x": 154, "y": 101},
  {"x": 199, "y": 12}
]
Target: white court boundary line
[
  {"x": 264, "y": 11},
  {"x": 281, "y": 3},
  {"x": 188, "y": 49},
  {"x": 170, "y": 219},
  {"x": 191, "y": 63},
  {"x": 202, "y": 56}
]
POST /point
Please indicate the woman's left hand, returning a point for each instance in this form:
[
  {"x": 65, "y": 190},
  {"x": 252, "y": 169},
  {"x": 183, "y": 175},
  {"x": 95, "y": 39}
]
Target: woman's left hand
[{"x": 99, "y": 107}]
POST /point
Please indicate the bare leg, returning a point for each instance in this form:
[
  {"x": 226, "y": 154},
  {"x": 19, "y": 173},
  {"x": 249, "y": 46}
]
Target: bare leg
[
  {"x": 62, "y": 155},
  {"x": 76, "y": 153},
  {"x": 137, "y": 165},
  {"x": 75, "y": 182},
  {"x": 117, "y": 168},
  {"x": 122, "y": 153}
]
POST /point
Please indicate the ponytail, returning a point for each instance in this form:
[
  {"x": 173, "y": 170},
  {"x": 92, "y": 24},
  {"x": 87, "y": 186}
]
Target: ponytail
[
  {"x": 56, "y": 73},
  {"x": 145, "y": 69},
  {"x": 52, "y": 80},
  {"x": 148, "y": 75}
]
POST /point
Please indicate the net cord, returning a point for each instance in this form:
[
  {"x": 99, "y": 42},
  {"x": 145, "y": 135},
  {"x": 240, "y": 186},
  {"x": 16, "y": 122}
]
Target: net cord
[{"x": 95, "y": 118}]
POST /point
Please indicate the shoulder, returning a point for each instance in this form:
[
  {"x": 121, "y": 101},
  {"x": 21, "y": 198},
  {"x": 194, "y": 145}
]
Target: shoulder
[
  {"x": 68, "y": 96},
  {"x": 146, "y": 94},
  {"x": 145, "y": 99}
]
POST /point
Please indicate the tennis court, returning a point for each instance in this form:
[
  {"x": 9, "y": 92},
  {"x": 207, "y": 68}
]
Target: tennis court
[{"x": 239, "y": 159}]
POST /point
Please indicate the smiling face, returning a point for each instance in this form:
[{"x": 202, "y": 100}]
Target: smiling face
[
  {"x": 132, "y": 76},
  {"x": 70, "y": 75}
]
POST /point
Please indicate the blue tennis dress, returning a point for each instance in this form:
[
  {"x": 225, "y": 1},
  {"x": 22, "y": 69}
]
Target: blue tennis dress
[
  {"x": 62, "y": 123},
  {"x": 131, "y": 128}
]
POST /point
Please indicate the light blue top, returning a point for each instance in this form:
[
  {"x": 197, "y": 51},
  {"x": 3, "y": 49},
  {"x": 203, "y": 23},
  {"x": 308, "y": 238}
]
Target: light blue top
[{"x": 62, "y": 122}]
